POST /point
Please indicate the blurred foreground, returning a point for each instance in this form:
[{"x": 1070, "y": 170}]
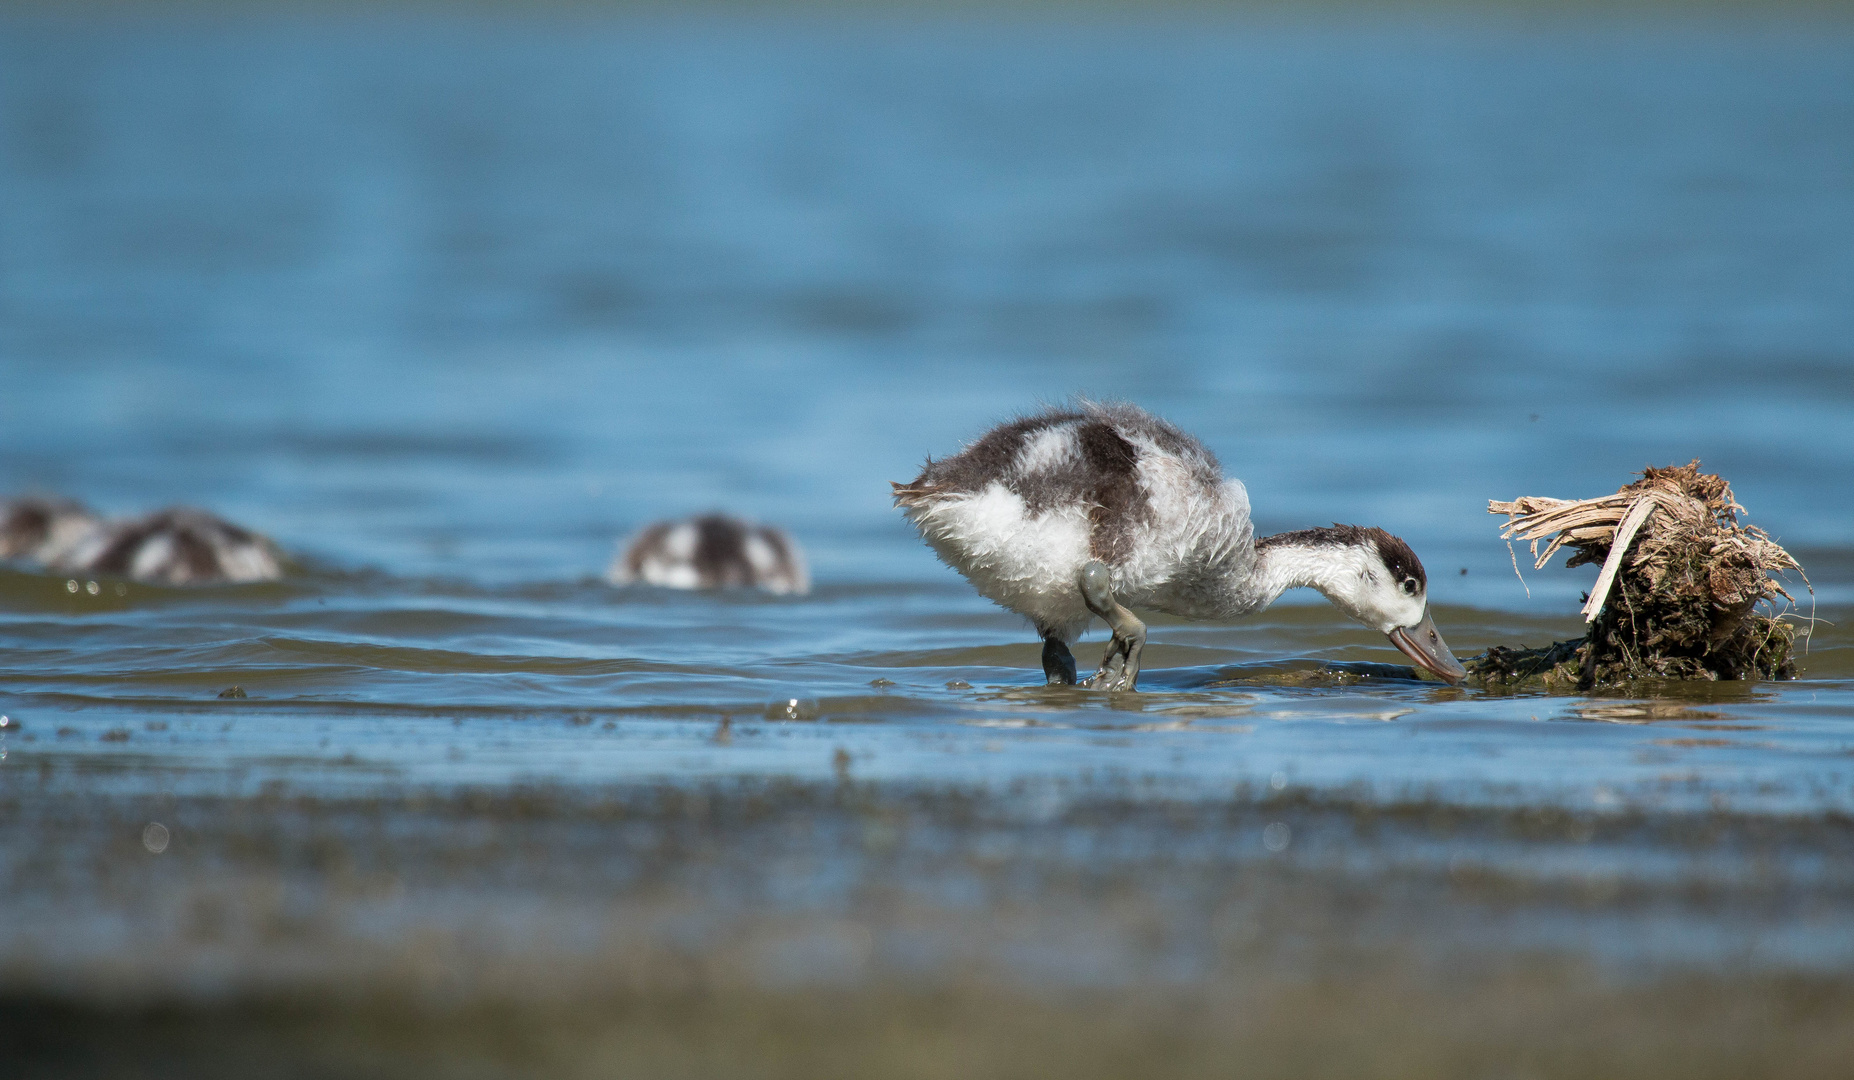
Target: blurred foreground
[{"x": 852, "y": 929}]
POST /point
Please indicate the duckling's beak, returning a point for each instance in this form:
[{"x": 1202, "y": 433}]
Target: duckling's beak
[{"x": 1424, "y": 645}]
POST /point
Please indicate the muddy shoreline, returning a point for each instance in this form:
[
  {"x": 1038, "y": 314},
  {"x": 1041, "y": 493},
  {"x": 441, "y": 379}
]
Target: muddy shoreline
[{"x": 786, "y": 928}]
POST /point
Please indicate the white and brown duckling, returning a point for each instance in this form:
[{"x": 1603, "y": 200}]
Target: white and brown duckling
[
  {"x": 40, "y": 529},
  {"x": 1074, "y": 514},
  {"x": 712, "y": 551},
  {"x": 176, "y": 546}
]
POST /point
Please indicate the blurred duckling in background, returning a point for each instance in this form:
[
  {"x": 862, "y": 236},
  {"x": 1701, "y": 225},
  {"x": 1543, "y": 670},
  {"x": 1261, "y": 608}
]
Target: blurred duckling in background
[
  {"x": 712, "y": 552},
  {"x": 42, "y": 529},
  {"x": 175, "y": 546}
]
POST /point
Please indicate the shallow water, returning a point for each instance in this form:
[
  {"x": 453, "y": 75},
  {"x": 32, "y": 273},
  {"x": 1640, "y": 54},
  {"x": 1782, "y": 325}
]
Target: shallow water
[{"x": 447, "y": 306}]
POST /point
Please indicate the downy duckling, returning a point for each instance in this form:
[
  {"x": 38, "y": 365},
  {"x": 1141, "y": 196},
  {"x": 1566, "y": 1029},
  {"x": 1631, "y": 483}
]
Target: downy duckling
[
  {"x": 176, "y": 546},
  {"x": 712, "y": 551},
  {"x": 1074, "y": 514},
  {"x": 41, "y": 529}
]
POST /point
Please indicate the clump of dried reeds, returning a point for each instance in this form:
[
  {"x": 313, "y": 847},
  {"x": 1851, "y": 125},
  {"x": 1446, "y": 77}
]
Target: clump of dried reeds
[{"x": 1677, "y": 593}]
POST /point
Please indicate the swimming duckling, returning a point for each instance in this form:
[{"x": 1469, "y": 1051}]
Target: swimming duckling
[
  {"x": 712, "y": 552},
  {"x": 41, "y": 529},
  {"x": 1073, "y": 514},
  {"x": 176, "y": 546}
]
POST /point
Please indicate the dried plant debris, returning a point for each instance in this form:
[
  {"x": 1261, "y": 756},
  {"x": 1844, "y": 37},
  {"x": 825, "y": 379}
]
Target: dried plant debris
[{"x": 1677, "y": 594}]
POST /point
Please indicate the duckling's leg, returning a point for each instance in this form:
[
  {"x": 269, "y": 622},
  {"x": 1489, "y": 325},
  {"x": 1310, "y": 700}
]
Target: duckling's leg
[
  {"x": 1058, "y": 663},
  {"x": 1120, "y": 664}
]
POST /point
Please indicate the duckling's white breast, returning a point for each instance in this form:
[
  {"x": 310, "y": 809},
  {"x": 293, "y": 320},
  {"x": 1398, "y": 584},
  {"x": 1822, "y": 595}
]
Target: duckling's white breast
[{"x": 1026, "y": 562}]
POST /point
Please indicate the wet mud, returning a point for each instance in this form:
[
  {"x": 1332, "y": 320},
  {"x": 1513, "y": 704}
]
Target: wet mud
[{"x": 845, "y": 928}]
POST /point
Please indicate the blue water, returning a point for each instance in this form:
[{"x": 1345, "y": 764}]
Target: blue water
[{"x": 468, "y": 300}]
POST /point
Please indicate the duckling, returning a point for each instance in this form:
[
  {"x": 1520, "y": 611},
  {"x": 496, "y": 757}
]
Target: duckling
[
  {"x": 41, "y": 528},
  {"x": 175, "y": 546},
  {"x": 712, "y": 551},
  {"x": 1073, "y": 514}
]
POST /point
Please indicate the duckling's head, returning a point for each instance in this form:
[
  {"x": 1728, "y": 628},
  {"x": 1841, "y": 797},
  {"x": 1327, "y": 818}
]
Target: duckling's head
[{"x": 1390, "y": 593}]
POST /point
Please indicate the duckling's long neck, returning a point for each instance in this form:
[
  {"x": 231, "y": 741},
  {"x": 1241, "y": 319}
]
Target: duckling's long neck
[{"x": 1334, "y": 569}]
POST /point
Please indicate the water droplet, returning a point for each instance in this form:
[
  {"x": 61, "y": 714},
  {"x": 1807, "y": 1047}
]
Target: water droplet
[
  {"x": 70, "y": 586},
  {"x": 1278, "y": 781},
  {"x": 1277, "y": 836},
  {"x": 154, "y": 838},
  {"x": 792, "y": 709},
  {"x": 121, "y": 589},
  {"x": 92, "y": 588}
]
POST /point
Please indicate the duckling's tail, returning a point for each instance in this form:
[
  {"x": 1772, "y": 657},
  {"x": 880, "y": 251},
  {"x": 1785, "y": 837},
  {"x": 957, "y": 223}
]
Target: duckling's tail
[{"x": 908, "y": 495}]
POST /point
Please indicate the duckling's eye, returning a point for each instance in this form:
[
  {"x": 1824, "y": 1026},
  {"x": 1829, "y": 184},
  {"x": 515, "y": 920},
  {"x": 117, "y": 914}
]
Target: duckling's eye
[{"x": 1409, "y": 586}]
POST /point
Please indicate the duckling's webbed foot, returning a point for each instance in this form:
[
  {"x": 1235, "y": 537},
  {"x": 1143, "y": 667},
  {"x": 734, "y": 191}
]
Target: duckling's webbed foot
[
  {"x": 1120, "y": 664},
  {"x": 1058, "y": 663}
]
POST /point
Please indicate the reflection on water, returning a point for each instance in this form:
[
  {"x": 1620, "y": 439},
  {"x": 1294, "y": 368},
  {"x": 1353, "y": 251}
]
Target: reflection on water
[
  {"x": 449, "y": 306},
  {"x": 1643, "y": 712}
]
